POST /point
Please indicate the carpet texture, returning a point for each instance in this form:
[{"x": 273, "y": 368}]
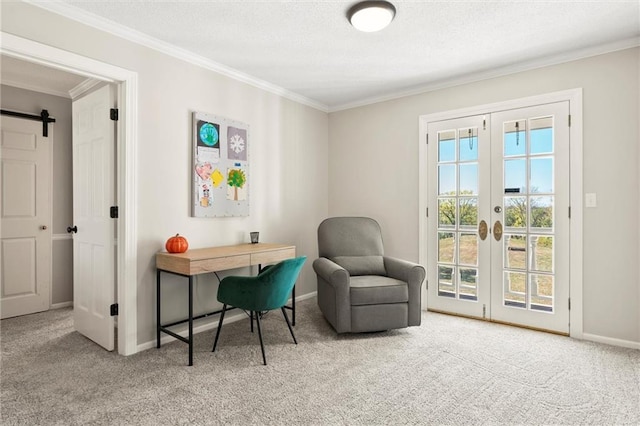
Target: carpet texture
[{"x": 447, "y": 371}]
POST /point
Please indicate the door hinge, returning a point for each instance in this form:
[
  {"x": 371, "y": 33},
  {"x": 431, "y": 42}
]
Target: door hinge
[
  {"x": 427, "y": 284},
  {"x": 427, "y": 138},
  {"x": 569, "y": 120},
  {"x": 484, "y": 311},
  {"x": 427, "y": 211},
  {"x": 113, "y": 309},
  {"x": 113, "y": 212},
  {"x": 569, "y": 212},
  {"x": 484, "y": 124},
  {"x": 569, "y": 303},
  {"x": 113, "y": 114}
]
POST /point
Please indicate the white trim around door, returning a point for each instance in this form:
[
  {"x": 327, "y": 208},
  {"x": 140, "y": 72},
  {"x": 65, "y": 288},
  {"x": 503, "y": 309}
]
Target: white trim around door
[
  {"x": 127, "y": 84},
  {"x": 574, "y": 97}
]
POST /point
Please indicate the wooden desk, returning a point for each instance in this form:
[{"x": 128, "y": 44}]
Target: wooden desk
[{"x": 214, "y": 259}]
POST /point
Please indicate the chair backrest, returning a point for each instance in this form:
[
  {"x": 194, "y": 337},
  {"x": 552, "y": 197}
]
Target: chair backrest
[
  {"x": 274, "y": 285},
  {"x": 355, "y": 243}
]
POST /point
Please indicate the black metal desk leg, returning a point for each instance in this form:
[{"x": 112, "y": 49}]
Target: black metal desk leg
[
  {"x": 190, "y": 320},
  {"x": 158, "y": 308}
]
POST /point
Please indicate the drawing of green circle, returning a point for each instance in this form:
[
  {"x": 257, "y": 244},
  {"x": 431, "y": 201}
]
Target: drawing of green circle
[{"x": 209, "y": 134}]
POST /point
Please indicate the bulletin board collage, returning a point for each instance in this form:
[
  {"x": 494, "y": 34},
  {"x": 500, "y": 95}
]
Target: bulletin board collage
[{"x": 220, "y": 167}]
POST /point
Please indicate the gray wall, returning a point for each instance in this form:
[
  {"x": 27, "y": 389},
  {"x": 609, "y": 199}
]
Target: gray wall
[
  {"x": 306, "y": 165},
  {"x": 374, "y": 164},
  {"x": 22, "y": 100},
  {"x": 288, "y": 150}
]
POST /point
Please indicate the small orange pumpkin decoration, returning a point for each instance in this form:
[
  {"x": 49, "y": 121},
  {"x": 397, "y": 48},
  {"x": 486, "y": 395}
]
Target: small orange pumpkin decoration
[{"x": 177, "y": 244}]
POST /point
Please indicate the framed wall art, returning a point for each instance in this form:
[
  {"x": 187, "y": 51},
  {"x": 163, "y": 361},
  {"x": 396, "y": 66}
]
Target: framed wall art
[{"x": 220, "y": 167}]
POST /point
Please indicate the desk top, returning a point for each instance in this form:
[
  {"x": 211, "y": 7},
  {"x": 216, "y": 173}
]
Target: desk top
[{"x": 212, "y": 259}]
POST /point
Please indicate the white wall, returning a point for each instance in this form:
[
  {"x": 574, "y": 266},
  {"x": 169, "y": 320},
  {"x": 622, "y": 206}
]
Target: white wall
[
  {"x": 373, "y": 171},
  {"x": 288, "y": 150},
  {"x": 31, "y": 102}
]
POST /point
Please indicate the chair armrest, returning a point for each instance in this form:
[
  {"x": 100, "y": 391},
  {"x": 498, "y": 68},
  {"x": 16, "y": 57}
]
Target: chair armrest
[
  {"x": 403, "y": 270},
  {"x": 413, "y": 274},
  {"x": 331, "y": 272}
]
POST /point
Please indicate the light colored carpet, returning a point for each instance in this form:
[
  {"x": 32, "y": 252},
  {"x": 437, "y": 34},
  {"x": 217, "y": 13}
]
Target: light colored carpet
[{"x": 448, "y": 371}]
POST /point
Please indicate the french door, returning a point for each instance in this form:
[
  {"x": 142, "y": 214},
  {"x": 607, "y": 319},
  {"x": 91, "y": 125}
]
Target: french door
[{"x": 498, "y": 225}]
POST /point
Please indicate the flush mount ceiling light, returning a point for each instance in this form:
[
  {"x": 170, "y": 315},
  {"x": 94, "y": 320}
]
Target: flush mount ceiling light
[{"x": 370, "y": 16}]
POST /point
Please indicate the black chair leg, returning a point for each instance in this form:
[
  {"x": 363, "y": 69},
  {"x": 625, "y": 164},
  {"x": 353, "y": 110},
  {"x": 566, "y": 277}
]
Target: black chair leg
[
  {"x": 264, "y": 358},
  {"x": 286, "y": 318},
  {"x": 215, "y": 342},
  {"x": 251, "y": 314}
]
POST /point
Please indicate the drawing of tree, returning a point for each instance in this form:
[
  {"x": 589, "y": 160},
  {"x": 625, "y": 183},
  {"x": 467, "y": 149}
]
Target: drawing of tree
[{"x": 236, "y": 179}]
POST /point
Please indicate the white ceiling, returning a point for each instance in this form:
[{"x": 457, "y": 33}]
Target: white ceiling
[{"x": 309, "y": 49}]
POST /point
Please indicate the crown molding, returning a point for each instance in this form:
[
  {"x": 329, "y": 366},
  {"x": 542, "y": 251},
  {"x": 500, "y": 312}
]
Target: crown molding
[
  {"x": 118, "y": 30},
  {"x": 498, "y": 72},
  {"x": 35, "y": 88},
  {"x": 83, "y": 87}
]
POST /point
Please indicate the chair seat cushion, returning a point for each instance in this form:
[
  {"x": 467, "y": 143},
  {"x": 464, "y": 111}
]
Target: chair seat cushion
[
  {"x": 374, "y": 290},
  {"x": 361, "y": 265}
]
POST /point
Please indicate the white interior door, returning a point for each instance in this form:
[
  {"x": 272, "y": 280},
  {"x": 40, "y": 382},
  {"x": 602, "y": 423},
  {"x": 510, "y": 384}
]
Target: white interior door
[
  {"x": 25, "y": 180},
  {"x": 530, "y": 216},
  {"x": 498, "y": 223},
  {"x": 93, "y": 195}
]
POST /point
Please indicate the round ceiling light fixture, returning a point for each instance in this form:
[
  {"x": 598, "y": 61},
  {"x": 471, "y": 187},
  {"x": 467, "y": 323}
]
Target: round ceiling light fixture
[{"x": 370, "y": 16}]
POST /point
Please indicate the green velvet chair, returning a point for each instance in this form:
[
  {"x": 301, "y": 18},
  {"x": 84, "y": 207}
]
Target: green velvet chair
[{"x": 267, "y": 291}]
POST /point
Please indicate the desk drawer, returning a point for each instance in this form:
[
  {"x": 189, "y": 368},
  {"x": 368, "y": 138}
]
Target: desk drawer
[
  {"x": 272, "y": 256},
  {"x": 220, "y": 264}
]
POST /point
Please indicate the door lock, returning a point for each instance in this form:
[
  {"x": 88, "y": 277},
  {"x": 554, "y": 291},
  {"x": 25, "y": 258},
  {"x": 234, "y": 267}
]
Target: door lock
[
  {"x": 497, "y": 209},
  {"x": 43, "y": 227}
]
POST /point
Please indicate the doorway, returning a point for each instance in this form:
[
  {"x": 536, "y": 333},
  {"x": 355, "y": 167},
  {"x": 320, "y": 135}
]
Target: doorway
[
  {"x": 126, "y": 82},
  {"x": 497, "y": 226}
]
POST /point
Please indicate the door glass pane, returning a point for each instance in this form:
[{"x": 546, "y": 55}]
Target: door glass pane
[
  {"x": 541, "y": 135},
  {"x": 541, "y": 253},
  {"x": 515, "y": 176},
  {"x": 446, "y": 212},
  {"x": 447, "y": 179},
  {"x": 541, "y": 289},
  {"x": 447, "y": 146},
  {"x": 468, "y": 144},
  {"x": 541, "y": 175},
  {"x": 446, "y": 286},
  {"x": 515, "y": 140},
  {"x": 515, "y": 212},
  {"x": 541, "y": 212},
  {"x": 468, "y": 284},
  {"x": 515, "y": 251},
  {"x": 468, "y": 254},
  {"x": 446, "y": 247},
  {"x": 515, "y": 289},
  {"x": 469, "y": 179},
  {"x": 468, "y": 212}
]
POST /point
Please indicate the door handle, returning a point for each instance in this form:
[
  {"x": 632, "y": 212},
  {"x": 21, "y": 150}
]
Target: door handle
[
  {"x": 482, "y": 230},
  {"x": 497, "y": 230},
  {"x": 43, "y": 227},
  {"x": 72, "y": 230}
]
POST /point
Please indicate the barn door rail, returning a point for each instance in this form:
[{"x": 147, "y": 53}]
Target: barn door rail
[{"x": 44, "y": 117}]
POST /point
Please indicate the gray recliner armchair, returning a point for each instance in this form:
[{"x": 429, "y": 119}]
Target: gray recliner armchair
[{"x": 359, "y": 288}]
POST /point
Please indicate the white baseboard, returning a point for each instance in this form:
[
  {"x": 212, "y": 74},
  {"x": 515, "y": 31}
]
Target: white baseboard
[
  {"x": 210, "y": 325},
  {"x": 611, "y": 341},
  {"x": 60, "y": 305},
  {"x": 305, "y": 296}
]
